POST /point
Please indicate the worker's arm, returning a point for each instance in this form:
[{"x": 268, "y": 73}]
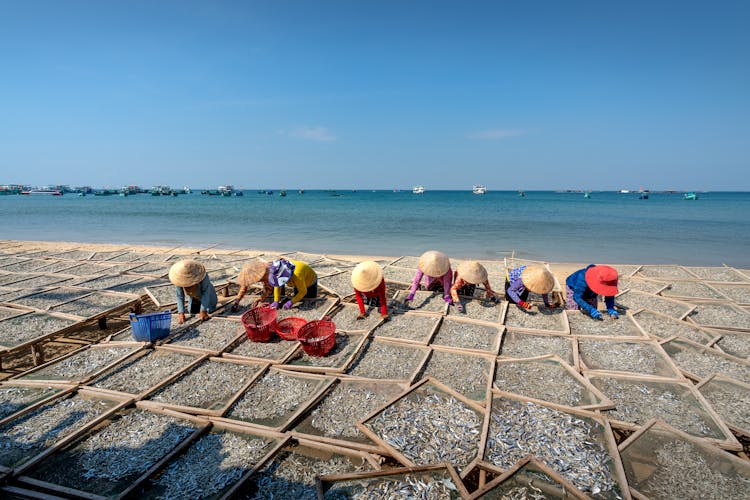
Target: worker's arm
[
  {"x": 383, "y": 300},
  {"x": 360, "y": 302},
  {"x": 415, "y": 283},
  {"x": 447, "y": 282},
  {"x": 490, "y": 293},
  {"x": 301, "y": 287},
  {"x": 180, "y": 294},
  {"x": 514, "y": 290},
  {"x": 457, "y": 284},
  {"x": 208, "y": 295}
]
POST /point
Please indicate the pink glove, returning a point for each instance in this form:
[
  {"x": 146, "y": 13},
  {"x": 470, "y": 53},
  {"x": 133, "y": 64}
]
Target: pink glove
[
  {"x": 274, "y": 305},
  {"x": 448, "y": 300},
  {"x": 287, "y": 305}
]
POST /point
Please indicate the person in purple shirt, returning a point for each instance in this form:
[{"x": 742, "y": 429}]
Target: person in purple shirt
[
  {"x": 522, "y": 280},
  {"x": 435, "y": 269}
]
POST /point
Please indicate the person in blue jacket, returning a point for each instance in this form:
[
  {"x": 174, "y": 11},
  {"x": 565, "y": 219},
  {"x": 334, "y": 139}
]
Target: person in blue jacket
[
  {"x": 584, "y": 286},
  {"x": 190, "y": 278}
]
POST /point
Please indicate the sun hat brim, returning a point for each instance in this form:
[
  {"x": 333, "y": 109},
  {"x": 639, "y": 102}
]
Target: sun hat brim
[
  {"x": 472, "y": 272},
  {"x": 366, "y": 276},
  {"x": 538, "y": 280},
  {"x": 185, "y": 273},
  {"x": 434, "y": 263},
  {"x": 602, "y": 280}
]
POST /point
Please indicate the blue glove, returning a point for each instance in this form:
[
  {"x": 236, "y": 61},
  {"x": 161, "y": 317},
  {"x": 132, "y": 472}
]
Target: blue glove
[
  {"x": 287, "y": 305},
  {"x": 274, "y": 305},
  {"x": 613, "y": 314},
  {"x": 596, "y": 314}
]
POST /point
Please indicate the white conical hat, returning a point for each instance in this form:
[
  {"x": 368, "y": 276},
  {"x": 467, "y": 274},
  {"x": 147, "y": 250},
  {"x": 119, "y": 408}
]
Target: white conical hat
[
  {"x": 366, "y": 276},
  {"x": 434, "y": 263},
  {"x": 472, "y": 272},
  {"x": 187, "y": 273},
  {"x": 537, "y": 279}
]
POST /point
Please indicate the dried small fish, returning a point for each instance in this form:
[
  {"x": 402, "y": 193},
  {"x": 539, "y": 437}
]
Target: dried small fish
[
  {"x": 92, "y": 305},
  {"x": 337, "y": 357},
  {"x": 273, "y": 398},
  {"x": 463, "y": 373},
  {"x": 552, "y": 320},
  {"x": 337, "y": 414},
  {"x": 292, "y": 475},
  {"x": 306, "y": 309},
  {"x": 20, "y": 329},
  {"x": 136, "y": 375},
  {"x": 47, "y": 299},
  {"x": 738, "y": 293},
  {"x": 730, "y": 400},
  {"x": 721, "y": 315},
  {"x": 340, "y": 284},
  {"x": 13, "y": 399},
  {"x": 479, "y": 309},
  {"x": 664, "y": 327},
  {"x": 209, "y": 385},
  {"x": 526, "y": 345},
  {"x": 213, "y": 335},
  {"x": 639, "y": 401},
  {"x": 211, "y": 465},
  {"x": 665, "y": 272},
  {"x": 428, "y": 426},
  {"x": 29, "y": 435},
  {"x": 411, "y": 485},
  {"x": 345, "y": 317},
  {"x": 581, "y": 324},
  {"x": 636, "y": 357},
  {"x": 424, "y": 301},
  {"x": 542, "y": 379},
  {"x": 466, "y": 335},
  {"x": 566, "y": 443},
  {"x": 705, "y": 362},
  {"x": 635, "y": 300},
  {"x": 734, "y": 343},
  {"x": 383, "y": 360},
  {"x": 691, "y": 289},
  {"x": 105, "y": 281},
  {"x": 722, "y": 274},
  {"x": 407, "y": 327},
  {"x": 685, "y": 471},
  {"x": 111, "y": 458},
  {"x": 82, "y": 364},
  {"x": 274, "y": 350}
]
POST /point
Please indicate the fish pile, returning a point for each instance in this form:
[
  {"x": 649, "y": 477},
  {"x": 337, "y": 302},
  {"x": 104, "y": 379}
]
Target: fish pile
[
  {"x": 275, "y": 395},
  {"x": 337, "y": 415}
]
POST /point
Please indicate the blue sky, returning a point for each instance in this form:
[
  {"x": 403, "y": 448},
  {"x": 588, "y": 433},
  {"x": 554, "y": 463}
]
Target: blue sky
[{"x": 381, "y": 94}]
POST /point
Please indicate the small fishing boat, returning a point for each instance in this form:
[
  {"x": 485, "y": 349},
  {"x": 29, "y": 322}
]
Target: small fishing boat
[
  {"x": 48, "y": 192},
  {"x": 479, "y": 189},
  {"x": 690, "y": 195},
  {"x": 282, "y": 193},
  {"x": 418, "y": 189},
  {"x": 587, "y": 194},
  {"x": 522, "y": 194}
]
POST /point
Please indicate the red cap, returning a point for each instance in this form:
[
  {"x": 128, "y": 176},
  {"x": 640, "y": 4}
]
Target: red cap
[{"x": 602, "y": 280}]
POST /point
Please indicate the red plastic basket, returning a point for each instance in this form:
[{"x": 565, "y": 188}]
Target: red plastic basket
[
  {"x": 318, "y": 337},
  {"x": 288, "y": 328},
  {"x": 259, "y": 323}
]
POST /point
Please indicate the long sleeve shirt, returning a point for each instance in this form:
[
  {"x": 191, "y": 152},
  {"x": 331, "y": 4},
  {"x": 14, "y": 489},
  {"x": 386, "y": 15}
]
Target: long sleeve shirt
[
  {"x": 517, "y": 287},
  {"x": 203, "y": 291},
  {"x": 303, "y": 277},
  {"x": 459, "y": 282},
  {"x": 581, "y": 291},
  {"x": 379, "y": 292},
  {"x": 445, "y": 280}
]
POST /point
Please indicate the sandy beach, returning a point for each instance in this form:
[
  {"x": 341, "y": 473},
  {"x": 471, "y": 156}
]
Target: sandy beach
[{"x": 503, "y": 382}]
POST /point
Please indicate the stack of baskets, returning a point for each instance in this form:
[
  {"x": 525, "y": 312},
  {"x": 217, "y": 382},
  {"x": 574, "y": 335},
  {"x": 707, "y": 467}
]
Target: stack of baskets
[{"x": 316, "y": 337}]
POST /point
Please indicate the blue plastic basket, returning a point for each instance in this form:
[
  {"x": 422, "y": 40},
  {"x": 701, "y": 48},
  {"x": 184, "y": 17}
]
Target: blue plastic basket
[{"x": 150, "y": 327}]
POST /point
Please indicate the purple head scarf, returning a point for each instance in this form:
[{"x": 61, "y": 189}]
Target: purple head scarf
[{"x": 279, "y": 272}]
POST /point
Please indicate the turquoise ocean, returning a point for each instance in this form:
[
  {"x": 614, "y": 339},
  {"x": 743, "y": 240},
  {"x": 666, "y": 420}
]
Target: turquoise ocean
[{"x": 552, "y": 226}]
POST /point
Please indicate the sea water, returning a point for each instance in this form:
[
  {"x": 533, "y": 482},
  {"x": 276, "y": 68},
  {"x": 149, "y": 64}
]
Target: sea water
[{"x": 557, "y": 227}]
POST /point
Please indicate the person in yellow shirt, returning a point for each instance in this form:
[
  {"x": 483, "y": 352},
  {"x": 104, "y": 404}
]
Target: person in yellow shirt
[{"x": 296, "y": 273}]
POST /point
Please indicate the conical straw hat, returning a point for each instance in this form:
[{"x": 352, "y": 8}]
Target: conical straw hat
[
  {"x": 472, "y": 272},
  {"x": 434, "y": 263},
  {"x": 186, "y": 273},
  {"x": 366, "y": 276},
  {"x": 252, "y": 273},
  {"x": 538, "y": 279}
]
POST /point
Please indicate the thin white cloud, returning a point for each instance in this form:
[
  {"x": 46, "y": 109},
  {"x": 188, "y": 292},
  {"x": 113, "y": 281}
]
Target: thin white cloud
[
  {"x": 498, "y": 133},
  {"x": 318, "y": 134}
]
